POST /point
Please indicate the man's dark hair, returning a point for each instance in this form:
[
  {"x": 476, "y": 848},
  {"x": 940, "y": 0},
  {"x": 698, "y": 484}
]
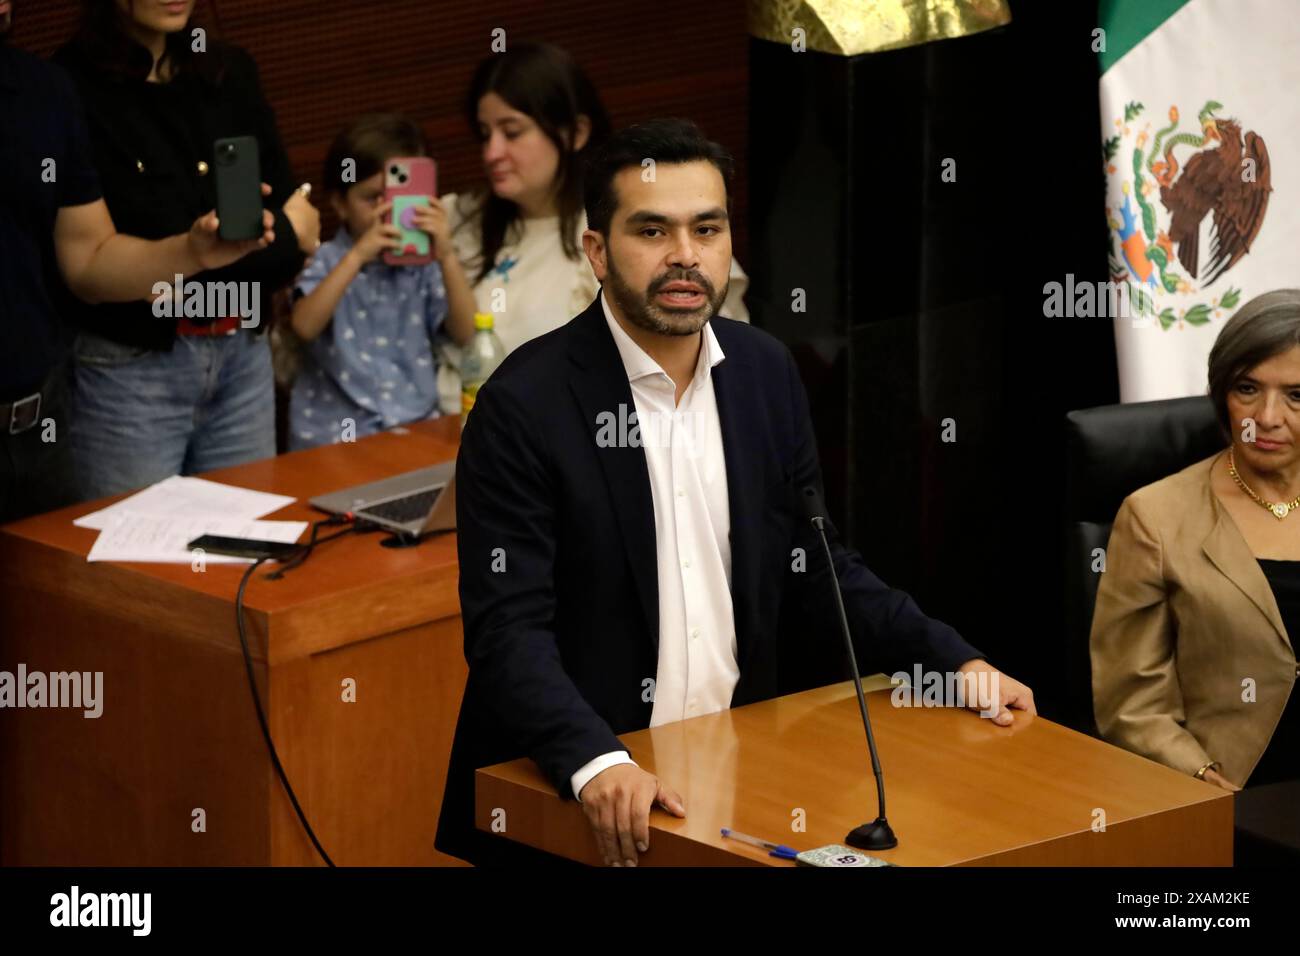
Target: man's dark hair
[
  {"x": 667, "y": 141},
  {"x": 371, "y": 140}
]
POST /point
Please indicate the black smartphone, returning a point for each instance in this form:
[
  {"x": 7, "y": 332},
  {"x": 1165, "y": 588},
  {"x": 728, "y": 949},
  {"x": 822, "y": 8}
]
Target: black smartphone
[
  {"x": 239, "y": 187},
  {"x": 244, "y": 547}
]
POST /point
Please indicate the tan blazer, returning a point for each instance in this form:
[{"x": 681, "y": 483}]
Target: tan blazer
[{"x": 1185, "y": 622}]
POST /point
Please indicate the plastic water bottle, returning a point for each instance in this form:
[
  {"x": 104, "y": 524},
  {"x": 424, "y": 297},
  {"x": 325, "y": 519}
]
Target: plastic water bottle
[{"x": 483, "y": 354}]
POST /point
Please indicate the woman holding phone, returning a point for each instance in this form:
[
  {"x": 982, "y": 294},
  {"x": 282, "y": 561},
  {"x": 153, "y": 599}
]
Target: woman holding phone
[
  {"x": 518, "y": 240},
  {"x": 153, "y": 395}
]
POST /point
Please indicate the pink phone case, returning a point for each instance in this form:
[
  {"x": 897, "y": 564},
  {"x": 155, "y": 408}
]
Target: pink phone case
[{"x": 407, "y": 180}]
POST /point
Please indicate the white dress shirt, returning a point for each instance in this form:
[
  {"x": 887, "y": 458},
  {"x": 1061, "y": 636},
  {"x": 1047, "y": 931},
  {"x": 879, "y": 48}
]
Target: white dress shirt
[{"x": 698, "y": 666}]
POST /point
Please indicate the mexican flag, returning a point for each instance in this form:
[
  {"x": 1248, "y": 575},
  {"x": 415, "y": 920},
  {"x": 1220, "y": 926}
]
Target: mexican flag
[{"x": 1200, "y": 128}]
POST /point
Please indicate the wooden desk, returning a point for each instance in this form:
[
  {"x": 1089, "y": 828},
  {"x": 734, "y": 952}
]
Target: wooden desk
[
  {"x": 178, "y": 730},
  {"x": 960, "y": 790}
]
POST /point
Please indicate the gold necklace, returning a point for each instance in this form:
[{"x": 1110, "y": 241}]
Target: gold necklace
[{"x": 1279, "y": 509}]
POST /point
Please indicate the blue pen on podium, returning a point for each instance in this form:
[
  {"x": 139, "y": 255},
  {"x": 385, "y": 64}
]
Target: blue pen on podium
[{"x": 779, "y": 850}]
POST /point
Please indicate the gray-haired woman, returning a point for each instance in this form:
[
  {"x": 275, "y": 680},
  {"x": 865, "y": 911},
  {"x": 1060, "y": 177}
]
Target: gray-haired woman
[{"x": 1198, "y": 613}]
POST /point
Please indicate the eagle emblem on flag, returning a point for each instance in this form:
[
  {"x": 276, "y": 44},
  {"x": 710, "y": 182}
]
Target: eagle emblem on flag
[{"x": 1181, "y": 178}]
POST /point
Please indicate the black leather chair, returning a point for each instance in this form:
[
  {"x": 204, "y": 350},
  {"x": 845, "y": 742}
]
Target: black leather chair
[{"x": 1112, "y": 451}]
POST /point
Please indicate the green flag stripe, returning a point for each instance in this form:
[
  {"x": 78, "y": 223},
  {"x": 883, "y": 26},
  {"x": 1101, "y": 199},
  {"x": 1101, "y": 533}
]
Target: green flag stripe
[{"x": 1128, "y": 22}]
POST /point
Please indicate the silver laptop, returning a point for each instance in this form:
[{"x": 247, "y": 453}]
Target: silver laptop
[{"x": 411, "y": 504}]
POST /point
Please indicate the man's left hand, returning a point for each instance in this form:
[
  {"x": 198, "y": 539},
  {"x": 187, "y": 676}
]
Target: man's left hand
[{"x": 1009, "y": 691}]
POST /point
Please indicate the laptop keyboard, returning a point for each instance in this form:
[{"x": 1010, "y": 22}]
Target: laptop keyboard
[{"x": 401, "y": 510}]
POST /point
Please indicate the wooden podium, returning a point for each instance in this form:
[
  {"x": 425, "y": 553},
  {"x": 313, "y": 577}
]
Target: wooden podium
[
  {"x": 179, "y": 733},
  {"x": 960, "y": 791}
]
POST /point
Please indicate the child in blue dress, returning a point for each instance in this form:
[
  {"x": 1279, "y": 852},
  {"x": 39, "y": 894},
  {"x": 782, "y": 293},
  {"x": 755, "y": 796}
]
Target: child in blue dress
[{"x": 369, "y": 361}]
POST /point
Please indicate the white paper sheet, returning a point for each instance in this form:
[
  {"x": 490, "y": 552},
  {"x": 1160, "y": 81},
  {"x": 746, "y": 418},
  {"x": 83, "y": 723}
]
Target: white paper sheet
[
  {"x": 184, "y": 497},
  {"x": 128, "y": 536}
]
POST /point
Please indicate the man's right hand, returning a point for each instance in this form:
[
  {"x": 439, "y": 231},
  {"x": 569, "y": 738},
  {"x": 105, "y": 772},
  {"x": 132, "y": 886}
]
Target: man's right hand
[{"x": 617, "y": 802}]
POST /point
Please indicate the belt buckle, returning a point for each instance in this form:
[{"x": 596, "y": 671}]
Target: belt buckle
[{"x": 16, "y": 423}]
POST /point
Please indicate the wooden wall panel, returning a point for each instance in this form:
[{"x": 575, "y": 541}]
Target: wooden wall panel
[{"x": 325, "y": 61}]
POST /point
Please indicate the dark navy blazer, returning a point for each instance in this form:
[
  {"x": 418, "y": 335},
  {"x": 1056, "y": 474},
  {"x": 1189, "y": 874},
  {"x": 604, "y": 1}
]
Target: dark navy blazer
[{"x": 558, "y": 571}]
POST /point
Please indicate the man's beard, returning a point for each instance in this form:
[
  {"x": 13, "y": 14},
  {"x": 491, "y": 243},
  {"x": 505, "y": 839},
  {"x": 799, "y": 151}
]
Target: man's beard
[{"x": 642, "y": 310}]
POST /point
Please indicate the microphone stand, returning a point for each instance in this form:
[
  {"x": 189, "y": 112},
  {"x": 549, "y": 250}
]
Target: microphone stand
[{"x": 878, "y": 834}]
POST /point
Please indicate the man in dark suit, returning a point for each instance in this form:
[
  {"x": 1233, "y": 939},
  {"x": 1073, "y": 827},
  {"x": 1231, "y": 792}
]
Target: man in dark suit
[{"x": 630, "y": 549}]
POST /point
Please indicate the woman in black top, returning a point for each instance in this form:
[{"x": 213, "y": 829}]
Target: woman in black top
[{"x": 157, "y": 396}]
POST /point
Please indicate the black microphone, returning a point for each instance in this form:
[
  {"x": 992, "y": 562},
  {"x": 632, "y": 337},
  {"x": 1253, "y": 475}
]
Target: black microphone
[{"x": 877, "y": 835}]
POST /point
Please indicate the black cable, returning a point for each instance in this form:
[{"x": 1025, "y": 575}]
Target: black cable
[
  {"x": 248, "y": 663},
  {"x": 310, "y": 546}
]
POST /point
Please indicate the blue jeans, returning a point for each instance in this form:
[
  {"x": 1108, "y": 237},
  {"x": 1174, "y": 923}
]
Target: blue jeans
[{"x": 141, "y": 415}]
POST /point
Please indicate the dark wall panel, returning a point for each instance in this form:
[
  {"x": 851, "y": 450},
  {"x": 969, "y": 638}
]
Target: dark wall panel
[{"x": 924, "y": 302}]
